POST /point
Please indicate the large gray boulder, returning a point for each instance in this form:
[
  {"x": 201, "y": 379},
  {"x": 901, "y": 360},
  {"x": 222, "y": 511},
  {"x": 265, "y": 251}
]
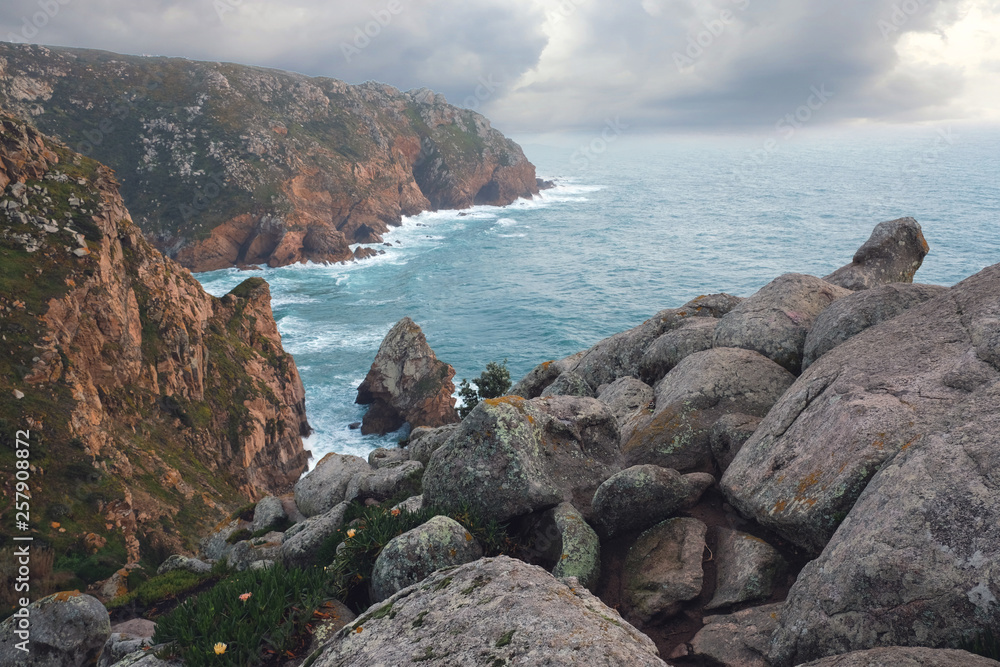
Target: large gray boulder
[
  {"x": 695, "y": 335},
  {"x": 181, "y": 562},
  {"x": 410, "y": 557},
  {"x": 541, "y": 376},
  {"x": 304, "y": 539},
  {"x": 640, "y": 497},
  {"x": 562, "y": 536},
  {"x": 624, "y": 396},
  {"x": 325, "y": 486},
  {"x": 853, "y": 314},
  {"x": 776, "y": 319},
  {"x": 728, "y": 436},
  {"x": 897, "y": 656},
  {"x": 740, "y": 639},
  {"x": 390, "y": 480},
  {"x": 407, "y": 384},
  {"x": 748, "y": 569},
  {"x": 269, "y": 513},
  {"x": 384, "y": 457},
  {"x": 693, "y": 396},
  {"x": 425, "y": 441},
  {"x": 663, "y": 569},
  {"x": 711, "y": 305},
  {"x": 62, "y": 630},
  {"x": 494, "y": 611},
  {"x": 892, "y": 254},
  {"x": 885, "y": 391},
  {"x": 510, "y": 456},
  {"x": 569, "y": 383}
]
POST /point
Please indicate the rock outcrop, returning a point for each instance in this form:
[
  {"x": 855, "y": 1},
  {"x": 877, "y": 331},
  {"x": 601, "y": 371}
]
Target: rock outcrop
[
  {"x": 156, "y": 404},
  {"x": 905, "y": 657},
  {"x": 892, "y": 254},
  {"x": 230, "y": 165},
  {"x": 664, "y": 568},
  {"x": 642, "y": 496},
  {"x": 63, "y": 630},
  {"x": 407, "y": 384},
  {"x": 493, "y": 611}
]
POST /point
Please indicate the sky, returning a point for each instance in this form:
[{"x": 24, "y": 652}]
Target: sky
[{"x": 536, "y": 66}]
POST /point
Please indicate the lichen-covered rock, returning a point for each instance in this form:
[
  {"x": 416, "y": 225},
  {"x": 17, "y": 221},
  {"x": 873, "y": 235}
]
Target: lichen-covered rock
[
  {"x": 424, "y": 441},
  {"x": 407, "y": 384},
  {"x": 624, "y": 396},
  {"x": 693, "y": 396},
  {"x": 386, "y": 482},
  {"x": 325, "y": 486},
  {"x": 304, "y": 539},
  {"x": 711, "y": 305},
  {"x": 412, "y": 504},
  {"x": 639, "y": 497},
  {"x": 541, "y": 376},
  {"x": 856, "y": 312},
  {"x": 62, "y": 630},
  {"x": 180, "y": 562},
  {"x": 409, "y": 558},
  {"x": 247, "y": 553},
  {"x": 216, "y": 546},
  {"x": 899, "y": 656},
  {"x": 663, "y": 568},
  {"x": 384, "y": 457},
  {"x": 569, "y": 383},
  {"x": 892, "y": 254},
  {"x": 776, "y": 320},
  {"x": 695, "y": 335},
  {"x": 489, "y": 612},
  {"x": 734, "y": 640},
  {"x": 748, "y": 569},
  {"x": 121, "y": 645},
  {"x": 882, "y": 392},
  {"x": 578, "y": 549},
  {"x": 511, "y": 456},
  {"x": 729, "y": 434},
  {"x": 269, "y": 513}
]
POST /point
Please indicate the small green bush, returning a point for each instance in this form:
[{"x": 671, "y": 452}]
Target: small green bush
[
  {"x": 282, "y": 601},
  {"x": 494, "y": 382},
  {"x": 239, "y": 536},
  {"x": 161, "y": 587}
]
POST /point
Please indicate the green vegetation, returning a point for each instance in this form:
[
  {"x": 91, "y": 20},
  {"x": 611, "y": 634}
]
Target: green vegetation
[
  {"x": 270, "y": 620},
  {"x": 494, "y": 382},
  {"x": 169, "y": 585}
]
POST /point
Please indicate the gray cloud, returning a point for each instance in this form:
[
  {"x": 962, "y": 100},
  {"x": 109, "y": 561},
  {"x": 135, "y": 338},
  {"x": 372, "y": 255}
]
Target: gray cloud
[{"x": 658, "y": 63}]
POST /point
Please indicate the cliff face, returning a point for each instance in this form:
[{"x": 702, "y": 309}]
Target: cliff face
[
  {"x": 154, "y": 407},
  {"x": 225, "y": 165}
]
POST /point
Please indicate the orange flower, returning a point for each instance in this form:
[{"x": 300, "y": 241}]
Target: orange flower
[
  {"x": 220, "y": 648},
  {"x": 395, "y": 512},
  {"x": 352, "y": 532},
  {"x": 245, "y": 597}
]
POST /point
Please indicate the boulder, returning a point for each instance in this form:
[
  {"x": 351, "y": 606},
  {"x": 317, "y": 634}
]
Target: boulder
[
  {"x": 541, "y": 376},
  {"x": 269, "y": 513},
  {"x": 897, "y": 656},
  {"x": 640, "y": 497},
  {"x": 146, "y": 658},
  {"x": 734, "y": 640},
  {"x": 748, "y": 569},
  {"x": 216, "y": 546},
  {"x": 711, "y": 305},
  {"x": 512, "y": 456},
  {"x": 695, "y": 335},
  {"x": 729, "y": 434},
  {"x": 410, "y": 557},
  {"x": 386, "y": 482},
  {"x": 407, "y": 384},
  {"x": 179, "y": 562},
  {"x": 562, "y": 536},
  {"x": 66, "y": 630},
  {"x": 121, "y": 645},
  {"x": 663, "y": 568},
  {"x": 892, "y": 254},
  {"x": 385, "y": 457},
  {"x": 776, "y": 320},
  {"x": 883, "y": 392},
  {"x": 425, "y": 441},
  {"x": 854, "y": 313},
  {"x": 325, "y": 486},
  {"x": 304, "y": 539},
  {"x": 625, "y": 396},
  {"x": 247, "y": 553},
  {"x": 413, "y": 504},
  {"x": 693, "y": 396},
  {"x": 490, "y": 612},
  {"x": 569, "y": 383}
]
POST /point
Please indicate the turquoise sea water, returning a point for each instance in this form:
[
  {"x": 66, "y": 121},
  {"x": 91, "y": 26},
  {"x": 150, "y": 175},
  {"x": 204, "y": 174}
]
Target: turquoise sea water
[{"x": 634, "y": 226}]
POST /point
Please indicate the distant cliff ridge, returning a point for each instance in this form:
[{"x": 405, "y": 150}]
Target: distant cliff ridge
[
  {"x": 155, "y": 408},
  {"x": 225, "y": 165}
]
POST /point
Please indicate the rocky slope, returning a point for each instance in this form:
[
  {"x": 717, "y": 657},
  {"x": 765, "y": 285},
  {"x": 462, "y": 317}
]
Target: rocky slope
[
  {"x": 225, "y": 164},
  {"x": 154, "y": 408}
]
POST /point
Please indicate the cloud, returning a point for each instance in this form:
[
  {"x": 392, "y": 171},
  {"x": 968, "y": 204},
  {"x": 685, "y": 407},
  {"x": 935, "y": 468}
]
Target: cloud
[{"x": 537, "y": 65}]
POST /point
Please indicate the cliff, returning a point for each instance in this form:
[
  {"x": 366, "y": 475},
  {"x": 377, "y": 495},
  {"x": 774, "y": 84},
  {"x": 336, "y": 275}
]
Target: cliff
[
  {"x": 154, "y": 408},
  {"x": 225, "y": 165}
]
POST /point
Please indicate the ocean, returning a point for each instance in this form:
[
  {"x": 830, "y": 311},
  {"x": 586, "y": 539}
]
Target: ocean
[{"x": 635, "y": 224}]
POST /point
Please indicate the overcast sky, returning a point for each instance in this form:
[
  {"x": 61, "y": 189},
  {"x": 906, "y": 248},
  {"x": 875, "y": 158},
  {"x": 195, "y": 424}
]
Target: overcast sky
[{"x": 535, "y": 66}]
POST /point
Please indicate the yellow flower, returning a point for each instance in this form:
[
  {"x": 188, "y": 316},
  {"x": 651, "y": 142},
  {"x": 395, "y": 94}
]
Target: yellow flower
[
  {"x": 220, "y": 648},
  {"x": 245, "y": 597},
  {"x": 351, "y": 532}
]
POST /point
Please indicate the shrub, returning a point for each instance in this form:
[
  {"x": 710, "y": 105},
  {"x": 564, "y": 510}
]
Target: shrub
[
  {"x": 494, "y": 382},
  {"x": 161, "y": 587},
  {"x": 281, "y": 602}
]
